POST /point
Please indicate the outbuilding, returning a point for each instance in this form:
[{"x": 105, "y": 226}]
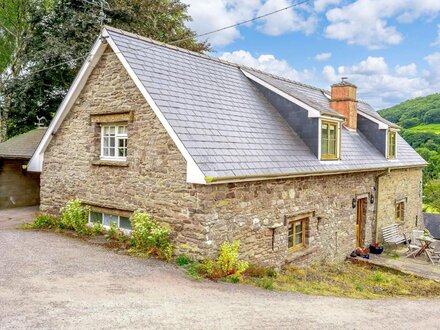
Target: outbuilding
[{"x": 18, "y": 187}]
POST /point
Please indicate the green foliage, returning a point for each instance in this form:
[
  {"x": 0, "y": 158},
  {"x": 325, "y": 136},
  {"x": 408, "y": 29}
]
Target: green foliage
[
  {"x": 378, "y": 276},
  {"x": 97, "y": 229},
  {"x": 54, "y": 40},
  {"x": 432, "y": 194},
  {"x": 113, "y": 232},
  {"x": 420, "y": 119},
  {"x": 44, "y": 221},
  {"x": 266, "y": 283},
  {"x": 227, "y": 266},
  {"x": 425, "y": 109},
  {"x": 227, "y": 262},
  {"x": 150, "y": 237},
  {"x": 74, "y": 216},
  {"x": 182, "y": 260}
]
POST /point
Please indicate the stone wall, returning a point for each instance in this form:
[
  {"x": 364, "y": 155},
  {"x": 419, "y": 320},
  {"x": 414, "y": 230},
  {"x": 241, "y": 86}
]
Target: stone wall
[
  {"x": 17, "y": 186},
  {"x": 152, "y": 179},
  {"x": 402, "y": 185},
  {"x": 202, "y": 217},
  {"x": 249, "y": 211}
]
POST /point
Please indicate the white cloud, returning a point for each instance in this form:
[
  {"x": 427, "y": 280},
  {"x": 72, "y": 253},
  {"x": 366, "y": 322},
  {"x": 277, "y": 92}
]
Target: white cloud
[
  {"x": 383, "y": 87},
  {"x": 406, "y": 70},
  {"x": 268, "y": 63},
  {"x": 436, "y": 42},
  {"x": 321, "y": 5},
  {"x": 290, "y": 20},
  {"x": 323, "y": 56},
  {"x": 209, "y": 15},
  {"x": 366, "y": 22}
]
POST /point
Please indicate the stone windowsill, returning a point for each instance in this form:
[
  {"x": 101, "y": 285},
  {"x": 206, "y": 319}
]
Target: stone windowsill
[
  {"x": 298, "y": 254},
  {"x": 110, "y": 163}
]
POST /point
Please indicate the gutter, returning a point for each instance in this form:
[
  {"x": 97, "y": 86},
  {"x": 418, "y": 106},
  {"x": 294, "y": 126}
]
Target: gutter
[{"x": 258, "y": 177}]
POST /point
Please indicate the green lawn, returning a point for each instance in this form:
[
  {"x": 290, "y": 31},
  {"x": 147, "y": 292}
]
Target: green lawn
[{"x": 435, "y": 128}]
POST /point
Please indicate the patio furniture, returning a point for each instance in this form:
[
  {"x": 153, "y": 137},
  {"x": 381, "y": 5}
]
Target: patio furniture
[
  {"x": 412, "y": 248},
  {"x": 434, "y": 255},
  {"x": 425, "y": 243},
  {"x": 391, "y": 234}
]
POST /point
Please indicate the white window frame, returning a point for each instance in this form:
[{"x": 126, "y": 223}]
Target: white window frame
[
  {"x": 118, "y": 137},
  {"x": 387, "y": 145},
  {"x": 90, "y": 222}
]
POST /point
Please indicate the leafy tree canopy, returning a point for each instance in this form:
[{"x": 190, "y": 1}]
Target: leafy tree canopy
[{"x": 59, "y": 35}]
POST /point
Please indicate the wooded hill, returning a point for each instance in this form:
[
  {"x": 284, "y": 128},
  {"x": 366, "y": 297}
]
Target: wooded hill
[{"x": 420, "y": 122}]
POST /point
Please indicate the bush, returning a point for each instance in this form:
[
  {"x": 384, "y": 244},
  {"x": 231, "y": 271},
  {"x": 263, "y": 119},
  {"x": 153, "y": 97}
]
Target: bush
[
  {"x": 75, "y": 217},
  {"x": 44, "y": 220},
  {"x": 227, "y": 262},
  {"x": 150, "y": 237},
  {"x": 266, "y": 283},
  {"x": 182, "y": 260}
]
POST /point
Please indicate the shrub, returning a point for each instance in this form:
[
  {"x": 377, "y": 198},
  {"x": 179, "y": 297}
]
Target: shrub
[
  {"x": 150, "y": 237},
  {"x": 182, "y": 260},
  {"x": 44, "y": 220},
  {"x": 266, "y": 283},
  {"x": 113, "y": 232},
  {"x": 74, "y": 216},
  {"x": 227, "y": 262},
  {"x": 97, "y": 229}
]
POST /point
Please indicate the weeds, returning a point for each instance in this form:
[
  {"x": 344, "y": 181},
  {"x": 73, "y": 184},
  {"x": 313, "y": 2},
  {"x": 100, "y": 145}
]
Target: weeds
[{"x": 150, "y": 237}]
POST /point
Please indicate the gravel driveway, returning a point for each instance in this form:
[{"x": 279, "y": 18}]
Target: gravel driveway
[{"x": 51, "y": 281}]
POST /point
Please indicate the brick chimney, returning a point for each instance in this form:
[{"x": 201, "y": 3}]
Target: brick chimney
[{"x": 343, "y": 100}]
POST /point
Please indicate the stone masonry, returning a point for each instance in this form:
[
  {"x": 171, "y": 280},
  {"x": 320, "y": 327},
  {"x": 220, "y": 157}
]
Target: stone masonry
[{"x": 202, "y": 217}]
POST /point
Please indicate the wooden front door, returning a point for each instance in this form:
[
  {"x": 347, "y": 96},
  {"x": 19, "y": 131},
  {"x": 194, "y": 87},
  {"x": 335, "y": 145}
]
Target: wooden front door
[{"x": 360, "y": 223}]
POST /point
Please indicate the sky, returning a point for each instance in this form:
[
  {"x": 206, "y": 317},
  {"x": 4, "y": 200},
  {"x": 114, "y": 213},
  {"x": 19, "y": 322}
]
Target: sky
[{"x": 389, "y": 48}]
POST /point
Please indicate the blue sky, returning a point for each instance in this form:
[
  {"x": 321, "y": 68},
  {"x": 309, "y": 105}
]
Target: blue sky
[{"x": 389, "y": 48}]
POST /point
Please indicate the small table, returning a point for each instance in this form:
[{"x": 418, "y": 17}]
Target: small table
[{"x": 425, "y": 242}]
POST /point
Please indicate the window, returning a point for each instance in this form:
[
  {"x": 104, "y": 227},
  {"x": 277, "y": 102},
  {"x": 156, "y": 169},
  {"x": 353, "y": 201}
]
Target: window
[
  {"x": 400, "y": 211},
  {"x": 108, "y": 219},
  {"x": 392, "y": 145},
  {"x": 114, "y": 142},
  {"x": 296, "y": 234},
  {"x": 329, "y": 140}
]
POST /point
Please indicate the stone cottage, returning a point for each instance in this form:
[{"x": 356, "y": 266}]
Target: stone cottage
[{"x": 219, "y": 151}]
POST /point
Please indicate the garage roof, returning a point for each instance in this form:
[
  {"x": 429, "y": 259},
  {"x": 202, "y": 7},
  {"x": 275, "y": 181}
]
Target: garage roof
[{"x": 22, "y": 146}]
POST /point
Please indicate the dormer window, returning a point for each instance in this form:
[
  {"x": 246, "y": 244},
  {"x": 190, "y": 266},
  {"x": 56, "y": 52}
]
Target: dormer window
[
  {"x": 329, "y": 140},
  {"x": 391, "y": 145}
]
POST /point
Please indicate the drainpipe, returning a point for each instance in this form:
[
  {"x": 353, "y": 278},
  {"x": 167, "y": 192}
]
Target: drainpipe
[{"x": 387, "y": 171}]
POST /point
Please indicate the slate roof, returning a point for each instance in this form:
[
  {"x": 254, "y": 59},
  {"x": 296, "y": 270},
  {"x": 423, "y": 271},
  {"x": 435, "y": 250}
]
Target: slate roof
[
  {"x": 22, "y": 146},
  {"x": 432, "y": 223},
  {"x": 228, "y": 127}
]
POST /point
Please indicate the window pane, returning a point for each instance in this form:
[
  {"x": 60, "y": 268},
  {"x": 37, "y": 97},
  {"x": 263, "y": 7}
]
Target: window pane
[
  {"x": 298, "y": 239},
  {"x": 332, "y": 150},
  {"x": 324, "y": 147},
  {"x": 109, "y": 219},
  {"x": 112, "y": 130},
  {"x": 112, "y": 141},
  {"x": 95, "y": 217},
  {"x": 122, "y": 129},
  {"x": 290, "y": 236},
  {"x": 112, "y": 152},
  {"x": 124, "y": 223},
  {"x": 332, "y": 129}
]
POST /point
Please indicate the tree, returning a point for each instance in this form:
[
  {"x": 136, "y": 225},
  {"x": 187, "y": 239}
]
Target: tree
[
  {"x": 61, "y": 34},
  {"x": 432, "y": 194},
  {"x": 13, "y": 28}
]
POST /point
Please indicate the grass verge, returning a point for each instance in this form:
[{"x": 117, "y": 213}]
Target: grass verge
[{"x": 348, "y": 280}]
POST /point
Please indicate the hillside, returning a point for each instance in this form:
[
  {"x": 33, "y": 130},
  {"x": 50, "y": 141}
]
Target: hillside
[
  {"x": 420, "y": 122},
  {"x": 415, "y": 112}
]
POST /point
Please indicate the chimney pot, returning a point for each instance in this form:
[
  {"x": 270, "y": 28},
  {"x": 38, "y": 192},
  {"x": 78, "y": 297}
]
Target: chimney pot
[{"x": 343, "y": 100}]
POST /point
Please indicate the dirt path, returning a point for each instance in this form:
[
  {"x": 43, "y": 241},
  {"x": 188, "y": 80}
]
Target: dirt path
[{"x": 50, "y": 281}]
